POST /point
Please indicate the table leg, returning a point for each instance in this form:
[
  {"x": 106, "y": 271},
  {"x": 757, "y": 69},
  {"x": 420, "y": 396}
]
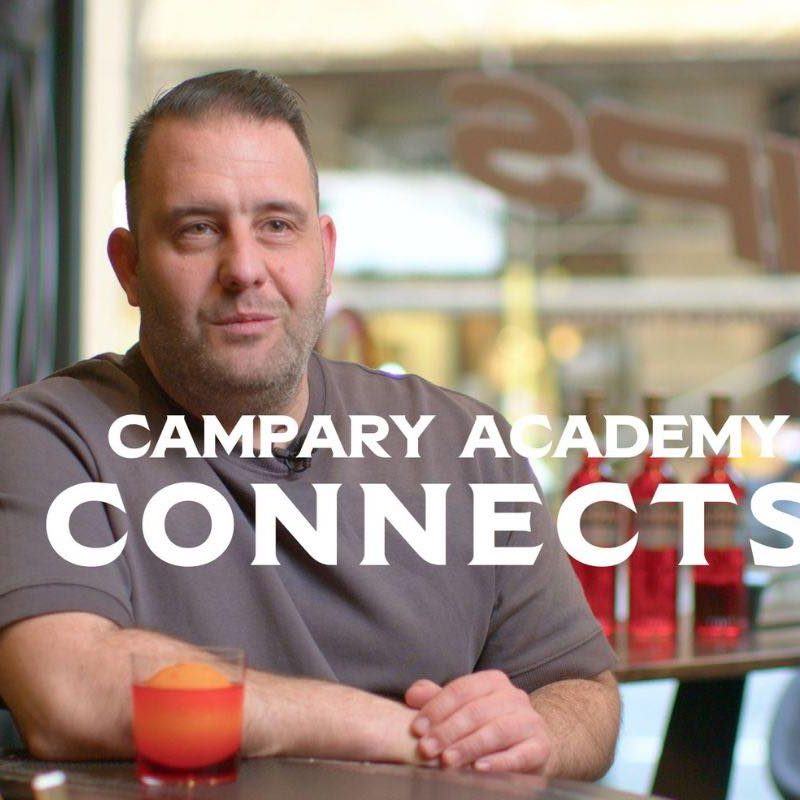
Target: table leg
[{"x": 697, "y": 755}]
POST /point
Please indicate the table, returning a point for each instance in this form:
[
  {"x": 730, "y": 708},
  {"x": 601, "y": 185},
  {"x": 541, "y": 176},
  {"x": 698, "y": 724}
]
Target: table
[
  {"x": 307, "y": 779},
  {"x": 697, "y": 754}
]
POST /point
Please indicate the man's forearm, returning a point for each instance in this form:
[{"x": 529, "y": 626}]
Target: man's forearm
[
  {"x": 582, "y": 717},
  {"x": 70, "y": 692},
  {"x": 302, "y": 717}
]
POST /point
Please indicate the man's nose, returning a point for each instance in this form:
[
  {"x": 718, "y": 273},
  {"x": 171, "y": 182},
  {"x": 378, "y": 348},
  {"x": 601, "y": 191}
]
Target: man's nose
[{"x": 243, "y": 262}]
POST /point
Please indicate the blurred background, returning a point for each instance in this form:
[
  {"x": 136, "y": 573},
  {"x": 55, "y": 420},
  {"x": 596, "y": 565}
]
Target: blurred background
[{"x": 438, "y": 273}]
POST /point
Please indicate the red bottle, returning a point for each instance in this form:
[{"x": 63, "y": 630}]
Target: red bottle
[
  {"x": 720, "y": 598},
  {"x": 599, "y": 526},
  {"x": 653, "y": 566}
]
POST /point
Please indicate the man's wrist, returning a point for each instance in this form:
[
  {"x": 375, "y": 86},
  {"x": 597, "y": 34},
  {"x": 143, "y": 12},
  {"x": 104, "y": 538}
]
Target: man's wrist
[
  {"x": 287, "y": 716},
  {"x": 394, "y": 740}
]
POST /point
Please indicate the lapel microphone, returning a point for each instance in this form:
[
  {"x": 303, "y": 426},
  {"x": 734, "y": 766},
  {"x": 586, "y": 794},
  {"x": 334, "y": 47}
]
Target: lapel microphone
[{"x": 289, "y": 456}]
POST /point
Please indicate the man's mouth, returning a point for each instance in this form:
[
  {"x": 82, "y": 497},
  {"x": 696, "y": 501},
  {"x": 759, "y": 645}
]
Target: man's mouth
[{"x": 245, "y": 322}]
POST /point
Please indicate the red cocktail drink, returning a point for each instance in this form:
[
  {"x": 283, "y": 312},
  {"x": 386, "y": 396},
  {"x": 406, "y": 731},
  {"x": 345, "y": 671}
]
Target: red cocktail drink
[{"x": 187, "y": 724}]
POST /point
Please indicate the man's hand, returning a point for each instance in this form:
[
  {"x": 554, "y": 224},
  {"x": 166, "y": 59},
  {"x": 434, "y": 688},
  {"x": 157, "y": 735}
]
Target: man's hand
[
  {"x": 482, "y": 720},
  {"x": 566, "y": 729}
]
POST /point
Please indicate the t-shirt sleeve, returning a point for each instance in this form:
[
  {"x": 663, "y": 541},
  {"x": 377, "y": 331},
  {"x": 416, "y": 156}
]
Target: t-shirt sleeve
[
  {"x": 41, "y": 454},
  {"x": 542, "y": 629}
]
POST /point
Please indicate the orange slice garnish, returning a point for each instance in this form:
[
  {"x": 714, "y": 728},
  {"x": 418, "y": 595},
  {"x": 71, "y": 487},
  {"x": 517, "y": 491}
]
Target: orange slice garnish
[{"x": 189, "y": 675}]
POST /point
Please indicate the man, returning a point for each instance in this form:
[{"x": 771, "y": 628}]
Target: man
[{"x": 230, "y": 265}]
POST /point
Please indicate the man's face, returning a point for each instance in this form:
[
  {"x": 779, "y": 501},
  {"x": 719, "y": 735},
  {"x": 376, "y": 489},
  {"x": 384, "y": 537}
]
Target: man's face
[{"x": 232, "y": 264}]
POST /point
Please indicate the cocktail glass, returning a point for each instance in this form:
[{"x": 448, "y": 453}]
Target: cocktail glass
[{"x": 187, "y": 716}]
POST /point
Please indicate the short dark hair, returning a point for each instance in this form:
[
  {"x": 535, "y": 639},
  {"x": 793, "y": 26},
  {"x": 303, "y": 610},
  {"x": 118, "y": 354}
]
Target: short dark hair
[{"x": 243, "y": 92}]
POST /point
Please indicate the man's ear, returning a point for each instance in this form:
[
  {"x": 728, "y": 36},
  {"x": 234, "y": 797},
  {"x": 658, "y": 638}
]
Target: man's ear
[
  {"x": 124, "y": 257},
  {"x": 328, "y": 231}
]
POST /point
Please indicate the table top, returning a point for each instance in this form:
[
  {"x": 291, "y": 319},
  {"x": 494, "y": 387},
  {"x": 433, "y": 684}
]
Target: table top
[
  {"x": 306, "y": 779},
  {"x": 687, "y": 658}
]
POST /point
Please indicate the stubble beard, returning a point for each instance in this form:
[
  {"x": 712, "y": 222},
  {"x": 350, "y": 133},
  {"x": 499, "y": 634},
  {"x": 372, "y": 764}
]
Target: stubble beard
[{"x": 204, "y": 380}]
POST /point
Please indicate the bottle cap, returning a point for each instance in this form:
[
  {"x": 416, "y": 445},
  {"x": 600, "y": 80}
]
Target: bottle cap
[
  {"x": 593, "y": 410},
  {"x": 720, "y": 410},
  {"x": 653, "y": 406}
]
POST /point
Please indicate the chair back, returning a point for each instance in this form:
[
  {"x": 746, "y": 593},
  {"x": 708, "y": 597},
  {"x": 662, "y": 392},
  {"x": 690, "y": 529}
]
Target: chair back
[{"x": 784, "y": 743}]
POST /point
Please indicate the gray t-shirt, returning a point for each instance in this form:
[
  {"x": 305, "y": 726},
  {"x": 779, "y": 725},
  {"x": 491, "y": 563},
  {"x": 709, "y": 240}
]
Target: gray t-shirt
[{"x": 377, "y": 627}]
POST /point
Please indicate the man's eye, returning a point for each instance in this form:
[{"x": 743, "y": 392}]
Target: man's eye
[
  {"x": 197, "y": 229},
  {"x": 277, "y": 226}
]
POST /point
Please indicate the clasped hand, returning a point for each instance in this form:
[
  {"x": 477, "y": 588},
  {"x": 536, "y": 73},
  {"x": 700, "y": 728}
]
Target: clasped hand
[{"x": 480, "y": 720}]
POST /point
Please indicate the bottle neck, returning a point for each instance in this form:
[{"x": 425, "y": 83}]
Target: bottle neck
[
  {"x": 719, "y": 471},
  {"x": 591, "y": 463},
  {"x": 718, "y": 467},
  {"x": 718, "y": 462},
  {"x": 654, "y": 465},
  {"x": 591, "y": 470},
  {"x": 652, "y": 462}
]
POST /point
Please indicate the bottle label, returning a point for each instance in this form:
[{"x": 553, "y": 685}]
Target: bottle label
[
  {"x": 721, "y": 521},
  {"x": 658, "y": 525},
  {"x": 600, "y": 524}
]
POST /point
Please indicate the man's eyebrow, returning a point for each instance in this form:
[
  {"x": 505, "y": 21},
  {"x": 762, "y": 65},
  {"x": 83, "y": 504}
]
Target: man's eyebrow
[
  {"x": 179, "y": 212},
  {"x": 287, "y": 207}
]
